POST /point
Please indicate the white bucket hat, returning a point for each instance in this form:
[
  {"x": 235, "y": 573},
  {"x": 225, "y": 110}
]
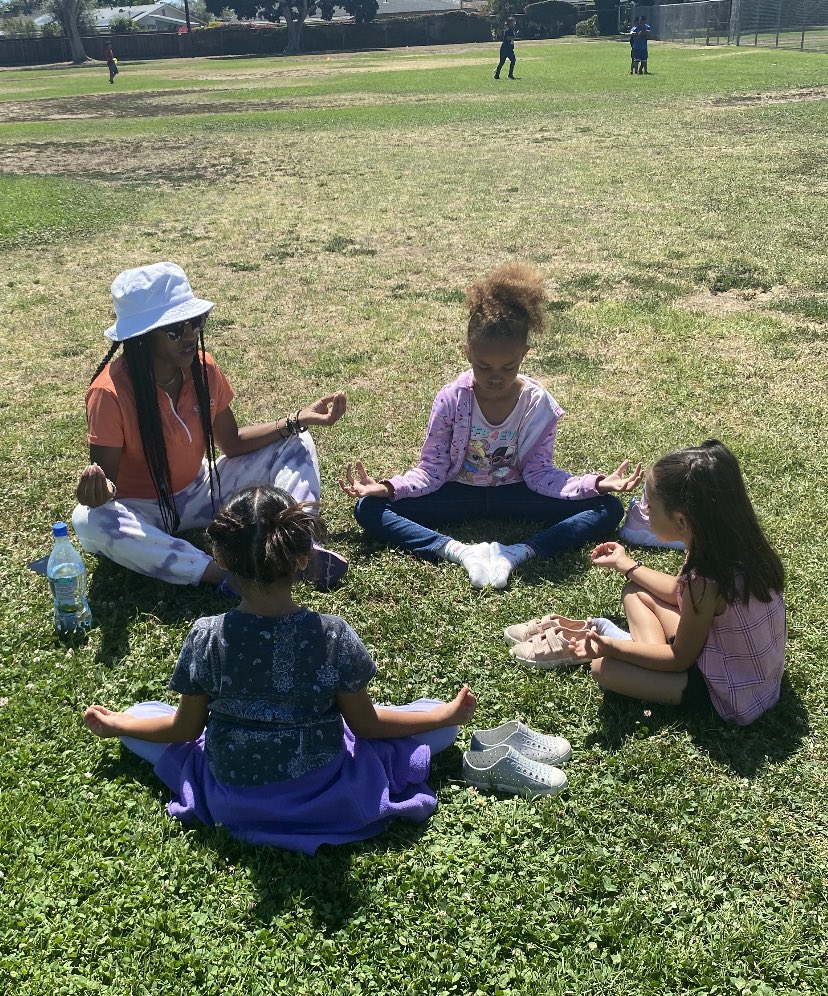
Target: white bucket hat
[{"x": 150, "y": 296}]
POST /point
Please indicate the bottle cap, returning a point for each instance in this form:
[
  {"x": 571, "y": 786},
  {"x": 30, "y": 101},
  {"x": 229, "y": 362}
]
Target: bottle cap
[{"x": 59, "y": 529}]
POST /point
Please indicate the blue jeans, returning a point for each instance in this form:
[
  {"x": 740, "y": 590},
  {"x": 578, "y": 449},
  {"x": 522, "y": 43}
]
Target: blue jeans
[{"x": 410, "y": 522}]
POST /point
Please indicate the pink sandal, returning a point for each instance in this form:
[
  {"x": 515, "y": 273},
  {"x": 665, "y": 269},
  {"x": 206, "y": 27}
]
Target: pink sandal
[
  {"x": 546, "y": 650},
  {"x": 521, "y": 632}
]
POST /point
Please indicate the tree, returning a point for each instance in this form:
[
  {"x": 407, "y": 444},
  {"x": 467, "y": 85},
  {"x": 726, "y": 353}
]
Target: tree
[
  {"x": 123, "y": 25},
  {"x": 21, "y": 8},
  {"x": 607, "y": 12},
  {"x": 552, "y": 18},
  {"x": 20, "y": 26},
  {"x": 295, "y": 12},
  {"x": 70, "y": 13},
  {"x": 501, "y": 10}
]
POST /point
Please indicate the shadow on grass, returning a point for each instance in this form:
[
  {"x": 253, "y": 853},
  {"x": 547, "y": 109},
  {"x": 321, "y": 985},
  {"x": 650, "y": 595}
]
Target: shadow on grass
[
  {"x": 322, "y": 883},
  {"x": 118, "y": 597},
  {"x": 772, "y": 738},
  {"x": 535, "y": 572}
]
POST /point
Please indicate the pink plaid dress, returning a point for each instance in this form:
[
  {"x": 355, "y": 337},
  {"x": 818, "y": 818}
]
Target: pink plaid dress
[{"x": 744, "y": 656}]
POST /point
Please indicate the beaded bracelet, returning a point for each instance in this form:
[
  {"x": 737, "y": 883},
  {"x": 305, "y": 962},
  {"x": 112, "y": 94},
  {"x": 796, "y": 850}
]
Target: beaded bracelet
[{"x": 293, "y": 426}]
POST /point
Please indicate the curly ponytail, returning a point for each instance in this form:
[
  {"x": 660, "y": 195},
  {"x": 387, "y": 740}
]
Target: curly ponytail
[
  {"x": 261, "y": 533},
  {"x": 508, "y": 303}
]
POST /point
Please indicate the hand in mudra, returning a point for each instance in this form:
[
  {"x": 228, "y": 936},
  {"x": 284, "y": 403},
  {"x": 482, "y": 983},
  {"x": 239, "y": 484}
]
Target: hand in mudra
[
  {"x": 361, "y": 485},
  {"x": 620, "y": 481},
  {"x": 94, "y": 488},
  {"x": 325, "y": 411}
]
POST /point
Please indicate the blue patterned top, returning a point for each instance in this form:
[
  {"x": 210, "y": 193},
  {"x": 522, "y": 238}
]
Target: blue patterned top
[{"x": 272, "y": 684}]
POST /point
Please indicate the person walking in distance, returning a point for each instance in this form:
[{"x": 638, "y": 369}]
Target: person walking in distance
[
  {"x": 507, "y": 49},
  {"x": 111, "y": 63}
]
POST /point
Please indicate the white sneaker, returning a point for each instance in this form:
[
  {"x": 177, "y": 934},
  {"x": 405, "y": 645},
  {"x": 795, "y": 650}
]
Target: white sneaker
[
  {"x": 505, "y": 770},
  {"x": 477, "y": 561},
  {"x": 535, "y": 746},
  {"x": 635, "y": 529}
]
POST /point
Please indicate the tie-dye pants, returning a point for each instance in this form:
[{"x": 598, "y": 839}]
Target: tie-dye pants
[{"x": 130, "y": 531}]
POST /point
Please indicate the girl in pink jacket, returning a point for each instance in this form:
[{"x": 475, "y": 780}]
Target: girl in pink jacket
[{"x": 488, "y": 452}]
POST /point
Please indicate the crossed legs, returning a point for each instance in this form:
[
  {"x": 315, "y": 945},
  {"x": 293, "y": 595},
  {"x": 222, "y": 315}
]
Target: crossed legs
[{"x": 651, "y": 621}]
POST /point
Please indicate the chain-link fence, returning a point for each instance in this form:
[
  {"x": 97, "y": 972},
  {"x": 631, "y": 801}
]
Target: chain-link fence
[{"x": 793, "y": 24}]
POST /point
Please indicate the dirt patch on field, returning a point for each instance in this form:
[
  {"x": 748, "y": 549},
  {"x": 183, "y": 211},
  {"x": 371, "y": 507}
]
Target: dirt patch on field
[
  {"x": 170, "y": 163},
  {"x": 168, "y": 104},
  {"x": 339, "y": 68},
  {"x": 779, "y": 97},
  {"x": 730, "y": 301}
]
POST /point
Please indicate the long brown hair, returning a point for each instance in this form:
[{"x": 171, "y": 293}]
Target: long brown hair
[{"x": 727, "y": 544}]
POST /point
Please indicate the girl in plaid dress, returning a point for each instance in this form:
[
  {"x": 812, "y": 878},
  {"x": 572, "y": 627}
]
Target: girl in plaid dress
[{"x": 715, "y": 633}]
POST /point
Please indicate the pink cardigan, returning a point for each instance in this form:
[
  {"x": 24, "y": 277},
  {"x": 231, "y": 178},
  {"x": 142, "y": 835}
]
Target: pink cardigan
[{"x": 449, "y": 427}]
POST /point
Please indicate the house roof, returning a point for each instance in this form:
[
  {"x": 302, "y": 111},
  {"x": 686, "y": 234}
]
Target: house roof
[
  {"x": 138, "y": 12},
  {"x": 393, "y": 8}
]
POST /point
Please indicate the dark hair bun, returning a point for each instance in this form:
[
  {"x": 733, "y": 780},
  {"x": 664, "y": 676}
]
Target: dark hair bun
[{"x": 261, "y": 533}]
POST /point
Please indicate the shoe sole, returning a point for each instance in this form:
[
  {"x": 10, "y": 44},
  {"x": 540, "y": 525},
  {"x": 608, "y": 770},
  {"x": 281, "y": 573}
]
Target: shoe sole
[
  {"x": 547, "y": 665},
  {"x": 554, "y": 761},
  {"x": 523, "y": 790},
  {"x": 330, "y": 570}
]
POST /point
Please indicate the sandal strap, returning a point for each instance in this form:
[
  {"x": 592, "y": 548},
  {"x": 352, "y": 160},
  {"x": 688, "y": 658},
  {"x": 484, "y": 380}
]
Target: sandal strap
[{"x": 543, "y": 642}]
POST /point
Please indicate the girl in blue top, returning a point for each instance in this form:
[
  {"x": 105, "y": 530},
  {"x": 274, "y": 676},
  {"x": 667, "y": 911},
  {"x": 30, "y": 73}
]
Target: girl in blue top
[{"x": 275, "y": 736}]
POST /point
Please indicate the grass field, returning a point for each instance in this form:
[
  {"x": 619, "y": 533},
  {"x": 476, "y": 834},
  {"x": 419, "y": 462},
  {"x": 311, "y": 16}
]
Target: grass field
[{"x": 335, "y": 208}]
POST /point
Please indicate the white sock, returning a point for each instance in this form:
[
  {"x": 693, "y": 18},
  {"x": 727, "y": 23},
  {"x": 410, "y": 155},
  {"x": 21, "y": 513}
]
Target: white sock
[
  {"x": 607, "y": 628},
  {"x": 505, "y": 559},
  {"x": 453, "y": 551},
  {"x": 476, "y": 560}
]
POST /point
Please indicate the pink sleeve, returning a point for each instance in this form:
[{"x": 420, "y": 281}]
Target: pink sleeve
[{"x": 435, "y": 456}]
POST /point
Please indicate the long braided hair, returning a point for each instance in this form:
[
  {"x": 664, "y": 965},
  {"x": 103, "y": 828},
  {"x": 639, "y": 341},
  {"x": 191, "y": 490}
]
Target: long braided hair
[{"x": 138, "y": 357}]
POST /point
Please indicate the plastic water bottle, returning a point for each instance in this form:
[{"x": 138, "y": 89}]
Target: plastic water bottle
[{"x": 67, "y": 579}]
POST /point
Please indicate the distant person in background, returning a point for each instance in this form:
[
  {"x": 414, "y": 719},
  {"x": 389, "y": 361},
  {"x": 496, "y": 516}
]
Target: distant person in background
[
  {"x": 111, "y": 63},
  {"x": 507, "y": 50},
  {"x": 634, "y": 29},
  {"x": 639, "y": 46}
]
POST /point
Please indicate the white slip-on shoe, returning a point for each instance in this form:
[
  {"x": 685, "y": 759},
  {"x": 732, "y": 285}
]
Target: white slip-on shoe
[
  {"x": 505, "y": 770},
  {"x": 536, "y": 746},
  {"x": 635, "y": 529}
]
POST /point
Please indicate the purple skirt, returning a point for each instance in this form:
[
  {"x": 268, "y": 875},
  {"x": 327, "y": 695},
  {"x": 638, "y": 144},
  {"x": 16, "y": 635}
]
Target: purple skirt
[{"x": 351, "y": 798}]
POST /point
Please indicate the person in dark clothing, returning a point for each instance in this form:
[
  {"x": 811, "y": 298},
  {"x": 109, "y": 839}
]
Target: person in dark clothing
[
  {"x": 638, "y": 40},
  {"x": 507, "y": 50},
  {"x": 111, "y": 63}
]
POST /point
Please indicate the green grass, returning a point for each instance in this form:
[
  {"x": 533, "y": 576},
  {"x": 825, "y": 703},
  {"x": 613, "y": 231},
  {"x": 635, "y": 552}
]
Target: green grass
[
  {"x": 40, "y": 209},
  {"x": 335, "y": 208}
]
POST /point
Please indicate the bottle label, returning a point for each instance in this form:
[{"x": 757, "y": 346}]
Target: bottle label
[{"x": 67, "y": 594}]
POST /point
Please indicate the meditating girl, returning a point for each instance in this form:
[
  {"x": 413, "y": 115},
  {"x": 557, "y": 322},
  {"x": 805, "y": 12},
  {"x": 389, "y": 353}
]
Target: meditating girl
[
  {"x": 489, "y": 452},
  {"x": 275, "y": 736}
]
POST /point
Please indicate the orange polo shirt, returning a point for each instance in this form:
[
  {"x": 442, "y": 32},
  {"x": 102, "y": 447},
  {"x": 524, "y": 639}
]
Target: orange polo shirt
[{"x": 113, "y": 421}]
